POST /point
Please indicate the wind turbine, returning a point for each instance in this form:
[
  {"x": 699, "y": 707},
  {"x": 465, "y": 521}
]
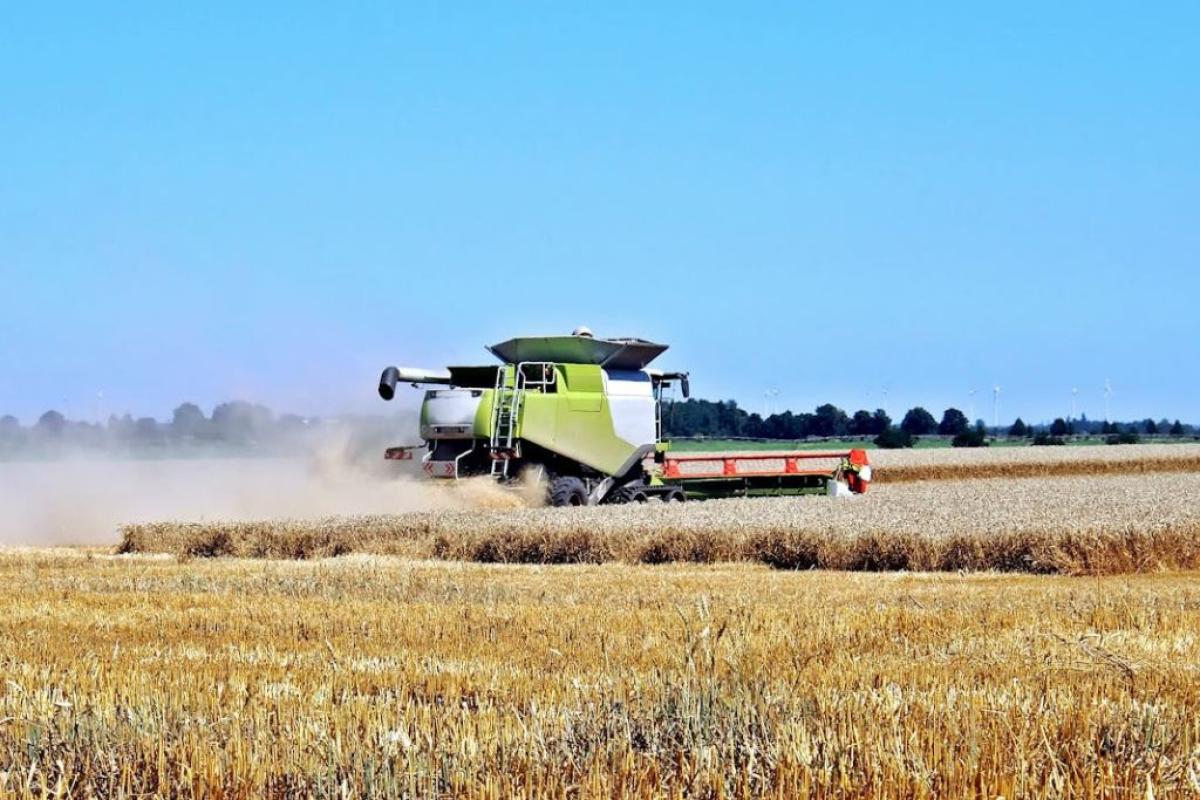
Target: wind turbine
[
  {"x": 1074, "y": 396},
  {"x": 768, "y": 396},
  {"x": 996, "y": 407},
  {"x": 1107, "y": 400},
  {"x": 971, "y": 392}
]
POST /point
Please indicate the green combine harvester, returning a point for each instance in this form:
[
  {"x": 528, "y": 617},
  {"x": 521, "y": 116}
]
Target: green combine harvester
[{"x": 585, "y": 415}]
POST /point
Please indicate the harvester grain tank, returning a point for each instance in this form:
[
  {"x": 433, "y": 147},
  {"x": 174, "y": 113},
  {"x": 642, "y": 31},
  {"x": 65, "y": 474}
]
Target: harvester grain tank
[{"x": 585, "y": 414}]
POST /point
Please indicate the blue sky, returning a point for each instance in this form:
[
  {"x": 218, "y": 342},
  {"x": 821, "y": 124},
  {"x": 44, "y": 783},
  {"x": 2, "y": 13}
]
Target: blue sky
[{"x": 272, "y": 202}]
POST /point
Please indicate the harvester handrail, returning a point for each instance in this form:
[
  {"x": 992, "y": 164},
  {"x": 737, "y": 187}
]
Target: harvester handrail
[{"x": 549, "y": 374}]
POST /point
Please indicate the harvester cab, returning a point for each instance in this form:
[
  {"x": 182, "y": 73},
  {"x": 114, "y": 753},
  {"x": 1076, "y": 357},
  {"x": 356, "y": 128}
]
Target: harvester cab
[{"x": 581, "y": 412}]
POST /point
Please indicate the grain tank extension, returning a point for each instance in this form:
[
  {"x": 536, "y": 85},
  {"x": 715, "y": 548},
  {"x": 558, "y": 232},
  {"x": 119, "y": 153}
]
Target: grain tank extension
[{"x": 585, "y": 414}]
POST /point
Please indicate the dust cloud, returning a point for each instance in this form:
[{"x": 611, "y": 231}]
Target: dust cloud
[{"x": 84, "y": 500}]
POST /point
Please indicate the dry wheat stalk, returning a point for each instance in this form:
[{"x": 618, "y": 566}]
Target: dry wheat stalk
[
  {"x": 1073, "y": 525},
  {"x": 367, "y": 676}
]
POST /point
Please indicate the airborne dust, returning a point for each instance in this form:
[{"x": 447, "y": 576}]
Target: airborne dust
[{"x": 82, "y": 500}]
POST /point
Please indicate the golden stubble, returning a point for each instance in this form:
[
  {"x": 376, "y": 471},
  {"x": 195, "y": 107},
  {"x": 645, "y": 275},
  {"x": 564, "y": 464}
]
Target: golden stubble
[{"x": 376, "y": 676}]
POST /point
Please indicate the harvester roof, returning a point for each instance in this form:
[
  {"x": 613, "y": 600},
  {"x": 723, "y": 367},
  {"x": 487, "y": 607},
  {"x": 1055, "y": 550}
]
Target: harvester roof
[{"x": 611, "y": 353}]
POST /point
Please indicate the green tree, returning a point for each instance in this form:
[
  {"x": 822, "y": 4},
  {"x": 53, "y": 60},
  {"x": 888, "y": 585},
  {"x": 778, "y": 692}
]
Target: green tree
[
  {"x": 1047, "y": 439},
  {"x": 829, "y": 420},
  {"x": 894, "y": 438},
  {"x": 972, "y": 437},
  {"x": 147, "y": 431},
  {"x": 241, "y": 423},
  {"x": 953, "y": 423},
  {"x": 11, "y": 435},
  {"x": 781, "y": 426},
  {"x": 1058, "y": 427},
  {"x": 52, "y": 423},
  {"x": 861, "y": 424},
  {"x": 1177, "y": 428},
  {"x": 188, "y": 422},
  {"x": 918, "y": 422},
  {"x": 1019, "y": 429}
]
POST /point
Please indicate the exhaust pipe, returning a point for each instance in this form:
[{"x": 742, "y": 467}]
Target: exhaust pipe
[
  {"x": 387, "y": 383},
  {"x": 393, "y": 375}
]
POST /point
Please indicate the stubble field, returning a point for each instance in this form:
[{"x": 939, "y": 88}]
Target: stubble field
[
  {"x": 371, "y": 676},
  {"x": 894, "y": 645}
]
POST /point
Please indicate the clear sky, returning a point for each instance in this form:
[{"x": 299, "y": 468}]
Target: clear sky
[{"x": 273, "y": 201}]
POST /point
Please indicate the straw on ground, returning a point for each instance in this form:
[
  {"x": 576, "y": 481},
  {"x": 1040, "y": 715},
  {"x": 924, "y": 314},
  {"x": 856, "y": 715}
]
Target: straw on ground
[{"x": 349, "y": 677}]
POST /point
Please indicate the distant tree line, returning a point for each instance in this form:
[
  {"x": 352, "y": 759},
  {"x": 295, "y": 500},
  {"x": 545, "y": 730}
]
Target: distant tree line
[
  {"x": 232, "y": 426},
  {"x": 249, "y": 427},
  {"x": 726, "y": 420},
  {"x": 1085, "y": 427}
]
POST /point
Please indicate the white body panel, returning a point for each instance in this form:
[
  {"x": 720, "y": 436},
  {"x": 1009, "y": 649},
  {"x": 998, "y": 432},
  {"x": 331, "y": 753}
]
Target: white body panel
[
  {"x": 837, "y": 489},
  {"x": 450, "y": 413},
  {"x": 631, "y": 400}
]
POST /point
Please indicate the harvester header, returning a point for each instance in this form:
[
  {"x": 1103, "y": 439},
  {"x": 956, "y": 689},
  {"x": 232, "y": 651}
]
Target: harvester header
[{"x": 585, "y": 414}]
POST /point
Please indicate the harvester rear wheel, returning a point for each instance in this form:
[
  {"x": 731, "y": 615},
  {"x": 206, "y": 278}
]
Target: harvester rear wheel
[
  {"x": 674, "y": 496},
  {"x": 568, "y": 491},
  {"x": 632, "y": 493}
]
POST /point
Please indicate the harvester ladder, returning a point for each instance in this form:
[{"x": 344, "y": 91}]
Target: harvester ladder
[
  {"x": 506, "y": 407},
  {"x": 511, "y": 385}
]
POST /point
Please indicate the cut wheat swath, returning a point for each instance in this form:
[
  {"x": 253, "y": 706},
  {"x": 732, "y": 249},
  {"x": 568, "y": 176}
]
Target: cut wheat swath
[{"x": 1065, "y": 525}]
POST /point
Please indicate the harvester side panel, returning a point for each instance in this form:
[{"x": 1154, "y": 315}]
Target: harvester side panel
[{"x": 556, "y": 424}]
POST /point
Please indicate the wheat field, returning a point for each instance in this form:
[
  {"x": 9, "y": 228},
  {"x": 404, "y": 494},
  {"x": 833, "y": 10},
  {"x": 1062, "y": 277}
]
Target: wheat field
[
  {"x": 958, "y": 464},
  {"x": 136, "y": 676},
  {"x": 1028, "y": 635},
  {"x": 1073, "y": 525}
]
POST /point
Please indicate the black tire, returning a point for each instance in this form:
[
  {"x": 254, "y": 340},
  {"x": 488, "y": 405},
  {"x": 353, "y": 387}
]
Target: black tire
[
  {"x": 674, "y": 496},
  {"x": 629, "y": 493},
  {"x": 568, "y": 491}
]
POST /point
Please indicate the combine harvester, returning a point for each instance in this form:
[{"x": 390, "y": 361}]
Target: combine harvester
[{"x": 585, "y": 415}]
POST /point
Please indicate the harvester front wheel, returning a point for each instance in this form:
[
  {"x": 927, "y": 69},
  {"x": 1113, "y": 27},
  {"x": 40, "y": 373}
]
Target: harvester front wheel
[{"x": 568, "y": 491}]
